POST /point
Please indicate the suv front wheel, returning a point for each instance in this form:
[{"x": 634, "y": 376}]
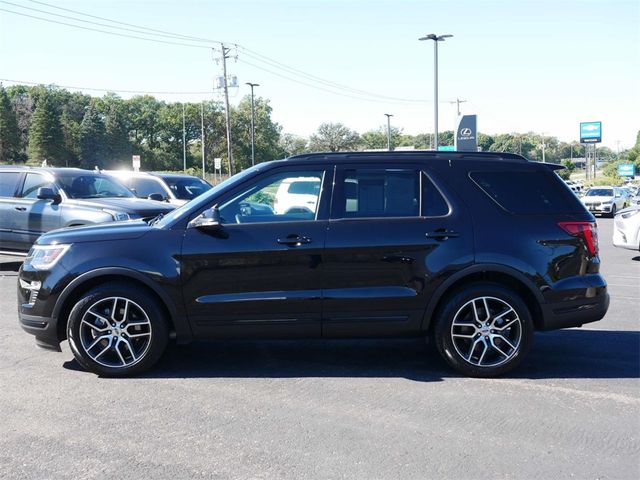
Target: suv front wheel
[
  {"x": 115, "y": 331},
  {"x": 484, "y": 330}
]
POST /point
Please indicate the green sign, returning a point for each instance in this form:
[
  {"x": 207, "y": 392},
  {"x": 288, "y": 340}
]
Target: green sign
[{"x": 446, "y": 148}]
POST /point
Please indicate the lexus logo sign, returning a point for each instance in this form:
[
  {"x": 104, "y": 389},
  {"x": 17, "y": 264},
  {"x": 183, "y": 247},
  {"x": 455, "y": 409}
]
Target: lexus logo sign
[{"x": 465, "y": 132}]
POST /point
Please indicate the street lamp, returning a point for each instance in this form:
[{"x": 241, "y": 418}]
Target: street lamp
[
  {"x": 253, "y": 124},
  {"x": 436, "y": 39},
  {"x": 388, "y": 115}
]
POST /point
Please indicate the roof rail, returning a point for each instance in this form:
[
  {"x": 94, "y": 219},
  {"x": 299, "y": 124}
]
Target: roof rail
[{"x": 414, "y": 153}]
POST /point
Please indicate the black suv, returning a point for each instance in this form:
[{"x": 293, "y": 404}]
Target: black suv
[
  {"x": 36, "y": 200},
  {"x": 476, "y": 249}
]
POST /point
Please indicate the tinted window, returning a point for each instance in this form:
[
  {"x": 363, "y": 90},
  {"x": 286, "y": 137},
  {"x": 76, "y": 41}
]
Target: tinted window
[
  {"x": 8, "y": 183},
  {"x": 92, "y": 186},
  {"x": 32, "y": 183},
  {"x": 433, "y": 203},
  {"x": 145, "y": 186},
  {"x": 186, "y": 188},
  {"x": 381, "y": 193},
  {"x": 528, "y": 192}
]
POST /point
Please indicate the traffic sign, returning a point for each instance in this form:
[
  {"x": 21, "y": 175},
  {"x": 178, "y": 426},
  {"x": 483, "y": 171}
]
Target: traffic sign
[
  {"x": 446, "y": 148},
  {"x": 217, "y": 163},
  {"x": 590, "y": 132},
  {"x": 136, "y": 162}
]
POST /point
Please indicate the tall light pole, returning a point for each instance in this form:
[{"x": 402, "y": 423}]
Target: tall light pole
[
  {"x": 544, "y": 160},
  {"x": 184, "y": 142},
  {"x": 436, "y": 39},
  {"x": 253, "y": 124},
  {"x": 388, "y": 115}
]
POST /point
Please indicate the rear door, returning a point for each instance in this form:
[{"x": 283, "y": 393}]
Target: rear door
[
  {"x": 393, "y": 235},
  {"x": 33, "y": 216},
  {"x": 8, "y": 185}
]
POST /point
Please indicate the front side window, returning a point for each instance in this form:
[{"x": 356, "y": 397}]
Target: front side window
[
  {"x": 369, "y": 193},
  {"x": 281, "y": 197},
  {"x": 32, "y": 183}
]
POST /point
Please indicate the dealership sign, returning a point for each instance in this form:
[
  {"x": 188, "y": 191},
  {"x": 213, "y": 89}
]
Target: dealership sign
[
  {"x": 466, "y": 139},
  {"x": 590, "y": 132},
  {"x": 627, "y": 170}
]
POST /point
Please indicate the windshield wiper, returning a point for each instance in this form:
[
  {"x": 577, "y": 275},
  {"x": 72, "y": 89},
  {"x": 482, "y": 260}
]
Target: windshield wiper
[{"x": 156, "y": 219}]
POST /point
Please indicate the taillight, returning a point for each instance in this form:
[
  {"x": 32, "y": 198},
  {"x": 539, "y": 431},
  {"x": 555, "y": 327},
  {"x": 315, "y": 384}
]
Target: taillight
[{"x": 585, "y": 230}]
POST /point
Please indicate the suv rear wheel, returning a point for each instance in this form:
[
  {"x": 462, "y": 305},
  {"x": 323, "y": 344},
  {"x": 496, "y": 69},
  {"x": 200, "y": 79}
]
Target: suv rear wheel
[
  {"x": 484, "y": 330},
  {"x": 115, "y": 330}
]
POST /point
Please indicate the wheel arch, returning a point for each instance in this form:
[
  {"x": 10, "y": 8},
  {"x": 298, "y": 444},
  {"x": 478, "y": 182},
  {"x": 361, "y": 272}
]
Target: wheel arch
[
  {"x": 92, "y": 279},
  {"x": 500, "y": 274}
]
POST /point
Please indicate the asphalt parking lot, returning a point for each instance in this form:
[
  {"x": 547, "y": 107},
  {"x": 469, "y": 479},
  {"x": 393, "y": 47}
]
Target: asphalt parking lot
[{"x": 341, "y": 409}]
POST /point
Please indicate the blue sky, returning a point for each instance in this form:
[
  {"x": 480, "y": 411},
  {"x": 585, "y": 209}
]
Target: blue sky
[{"x": 543, "y": 66}]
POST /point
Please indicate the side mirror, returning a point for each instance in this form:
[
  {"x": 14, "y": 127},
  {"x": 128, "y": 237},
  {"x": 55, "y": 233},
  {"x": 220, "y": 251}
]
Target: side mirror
[
  {"x": 158, "y": 197},
  {"x": 207, "y": 220},
  {"x": 46, "y": 193}
]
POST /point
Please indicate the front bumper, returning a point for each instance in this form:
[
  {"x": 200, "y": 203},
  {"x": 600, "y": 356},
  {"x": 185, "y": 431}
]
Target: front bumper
[
  {"x": 45, "y": 330},
  {"x": 599, "y": 207},
  {"x": 626, "y": 234}
]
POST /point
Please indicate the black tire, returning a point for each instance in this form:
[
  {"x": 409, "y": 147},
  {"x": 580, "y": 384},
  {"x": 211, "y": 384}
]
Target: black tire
[
  {"x": 133, "y": 342},
  {"x": 613, "y": 210},
  {"x": 471, "y": 339}
]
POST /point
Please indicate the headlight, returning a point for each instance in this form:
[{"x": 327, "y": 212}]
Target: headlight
[
  {"x": 117, "y": 216},
  {"x": 43, "y": 257}
]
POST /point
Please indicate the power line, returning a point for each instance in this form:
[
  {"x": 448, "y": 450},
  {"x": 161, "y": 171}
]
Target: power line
[
  {"x": 104, "y": 31},
  {"x": 90, "y": 22},
  {"x": 251, "y": 53}
]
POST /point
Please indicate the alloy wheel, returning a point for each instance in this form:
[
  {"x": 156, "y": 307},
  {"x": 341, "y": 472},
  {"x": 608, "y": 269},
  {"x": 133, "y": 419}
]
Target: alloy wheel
[
  {"x": 115, "y": 332},
  {"x": 486, "y": 332}
]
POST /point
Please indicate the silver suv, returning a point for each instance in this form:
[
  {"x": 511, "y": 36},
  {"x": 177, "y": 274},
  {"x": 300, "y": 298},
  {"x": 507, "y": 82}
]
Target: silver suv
[{"x": 36, "y": 200}]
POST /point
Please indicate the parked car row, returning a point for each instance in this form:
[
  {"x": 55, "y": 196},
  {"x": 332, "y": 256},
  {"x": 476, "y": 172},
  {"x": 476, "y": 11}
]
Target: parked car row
[{"x": 36, "y": 200}]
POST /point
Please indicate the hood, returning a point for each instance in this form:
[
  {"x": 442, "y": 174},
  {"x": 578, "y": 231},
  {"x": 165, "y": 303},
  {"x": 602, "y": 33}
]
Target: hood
[
  {"x": 96, "y": 233},
  {"x": 140, "y": 206},
  {"x": 598, "y": 199}
]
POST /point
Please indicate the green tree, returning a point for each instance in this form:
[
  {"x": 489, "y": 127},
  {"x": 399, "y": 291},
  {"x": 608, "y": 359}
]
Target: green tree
[
  {"x": 92, "y": 137},
  {"x": 377, "y": 139},
  {"x": 46, "y": 141},
  {"x": 9, "y": 134},
  {"x": 292, "y": 144},
  {"x": 333, "y": 137}
]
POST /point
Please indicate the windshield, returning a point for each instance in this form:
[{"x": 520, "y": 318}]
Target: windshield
[
  {"x": 186, "y": 188},
  {"x": 201, "y": 201},
  {"x": 82, "y": 185},
  {"x": 600, "y": 192}
]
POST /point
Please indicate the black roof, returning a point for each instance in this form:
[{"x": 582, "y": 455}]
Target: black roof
[{"x": 409, "y": 155}]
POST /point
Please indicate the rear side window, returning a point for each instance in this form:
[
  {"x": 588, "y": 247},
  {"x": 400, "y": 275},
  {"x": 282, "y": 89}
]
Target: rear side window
[
  {"x": 527, "y": 193},
  {"x": 8, "y": 183}
]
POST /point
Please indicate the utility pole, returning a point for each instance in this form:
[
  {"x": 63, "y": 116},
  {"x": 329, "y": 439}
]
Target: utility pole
[
  {"x": 184, "y": 141},
  {"x": 458, "y": 102},
  {"x": 202, "y": 136},
  {"x": 253, "y": 124},
  {"x": 543, "y": 146},
  {"x": 388, "y": 115},
  {"x": 225, "y": 51}
]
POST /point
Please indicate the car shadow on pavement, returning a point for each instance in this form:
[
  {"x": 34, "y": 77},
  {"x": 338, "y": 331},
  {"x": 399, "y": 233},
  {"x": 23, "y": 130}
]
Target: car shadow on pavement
[
  {"x": 10, "y": 266},
  {"x": 573, "y": 353}
]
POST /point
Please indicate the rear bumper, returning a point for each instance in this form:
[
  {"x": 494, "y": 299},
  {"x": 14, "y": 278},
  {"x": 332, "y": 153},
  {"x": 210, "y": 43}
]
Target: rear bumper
[
  {"x": 575, "y": 313},
  {"x": 44, "y": 329}
]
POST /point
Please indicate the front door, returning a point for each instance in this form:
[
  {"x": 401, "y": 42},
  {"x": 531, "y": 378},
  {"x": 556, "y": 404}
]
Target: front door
[
  {"x": 32, "y": 216},
  {"x": 260, "y": 273},
  {"x": 392, "y": 236}
]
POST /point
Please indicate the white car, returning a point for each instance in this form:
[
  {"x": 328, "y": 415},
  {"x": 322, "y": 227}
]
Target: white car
[
  {"x": 626, "y": 228},
  {"x": 604, "y": 200},
  {"x": 576, "y": 187},
  {"x": 297, "y": 195}
]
